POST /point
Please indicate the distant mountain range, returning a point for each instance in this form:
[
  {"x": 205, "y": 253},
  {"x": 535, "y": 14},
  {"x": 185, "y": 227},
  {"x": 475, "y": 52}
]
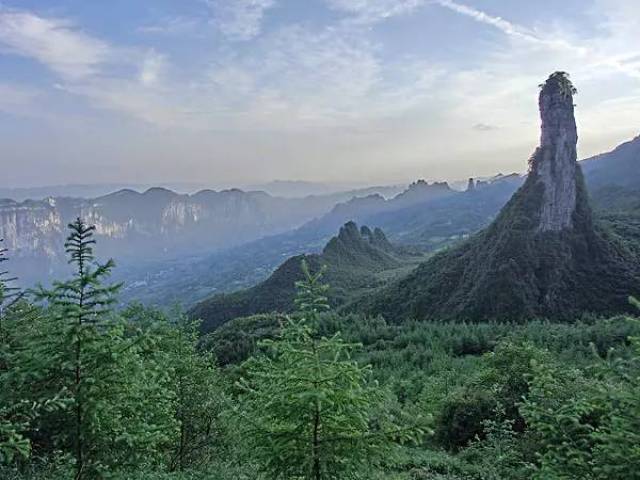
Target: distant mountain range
[
  {"x": 301, "y": 189},
  {"x": 618, "y": 167},
  {"x": 212, "y": 242},
  {"x": 276, "y": 188},
  {"x": 440, "y": 217},
  {"x": 158, "y": 224},
  {"x": 20, "y": 194},
  {"x": 240, "y": 267}
]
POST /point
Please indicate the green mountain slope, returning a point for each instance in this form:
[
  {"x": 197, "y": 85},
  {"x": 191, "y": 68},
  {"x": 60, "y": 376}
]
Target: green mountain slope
[
  {"x": 356, "y": 260},
  {"x": 544, "y": 256}
]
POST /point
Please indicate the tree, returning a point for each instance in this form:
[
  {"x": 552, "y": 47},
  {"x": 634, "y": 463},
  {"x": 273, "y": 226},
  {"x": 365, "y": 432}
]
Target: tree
[
  {"x": 311, "y": 411},
  {"x": 563, "y": 81},
  {"x": 120, "y": 410},
  {"x": 12, "y": 442},
  {"x": 586, "y": 422},
  {"x": 8, "y": 293},
  {"x": 199, "y": 397},
  {"x": 81, "y": 306}
]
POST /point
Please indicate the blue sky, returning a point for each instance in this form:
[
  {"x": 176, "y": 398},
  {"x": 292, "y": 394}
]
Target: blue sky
[{"x": 242, "y": 91}]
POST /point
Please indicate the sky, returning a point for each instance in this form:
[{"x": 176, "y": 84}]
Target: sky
[{"x": 246, "y": 91}]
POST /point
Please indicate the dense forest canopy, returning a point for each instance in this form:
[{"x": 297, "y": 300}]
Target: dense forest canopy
[{"x": 93, "y": 392}]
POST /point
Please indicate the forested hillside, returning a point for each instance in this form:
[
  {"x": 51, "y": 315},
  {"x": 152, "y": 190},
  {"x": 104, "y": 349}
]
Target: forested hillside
[{"x": 356, "y": 260}]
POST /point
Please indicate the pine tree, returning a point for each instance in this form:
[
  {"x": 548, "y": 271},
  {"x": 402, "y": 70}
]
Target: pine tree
[
  {"x": 8, "y": 293},
  {"x": 193, "y": 383},
  {"x": 82, "y": 306},
  {"x": 12, "y": 442},
  {"x": 309, "y": 405}
]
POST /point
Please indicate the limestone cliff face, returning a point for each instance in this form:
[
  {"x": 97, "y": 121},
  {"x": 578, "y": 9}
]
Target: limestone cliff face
[
  {"x": 30, "y": 227},
  {"x": 555, "y": 161},
  {"x": 155, "y": 224}
]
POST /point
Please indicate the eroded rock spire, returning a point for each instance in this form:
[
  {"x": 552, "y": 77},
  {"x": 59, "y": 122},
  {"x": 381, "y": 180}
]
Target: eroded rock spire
[{"x": 554, "y": 162}]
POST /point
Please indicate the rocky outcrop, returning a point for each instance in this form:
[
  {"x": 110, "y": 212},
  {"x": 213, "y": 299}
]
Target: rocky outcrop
[
  {"x": 543, "y": 256},
  {"x": 30, "y": 226},
  {"x": 555, "y": 161}
]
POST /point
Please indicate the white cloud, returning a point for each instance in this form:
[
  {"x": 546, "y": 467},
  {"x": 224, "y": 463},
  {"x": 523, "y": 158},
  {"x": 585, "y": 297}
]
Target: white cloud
[
  {"x": 371, "y": 11},
  {"x": 126, "y": 80},
  {"x": 239, "y": 19},
  {"x": 152, "y": 67},
  {"x": 510, "y": 28},
  {"x": 171, "y": 26},
  {"x": 296, "y": 79},
  {"x": 54, "y": 42}
]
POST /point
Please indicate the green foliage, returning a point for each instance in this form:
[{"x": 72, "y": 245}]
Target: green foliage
[
  {"x": 562, "y": 80},
  {"x": 310, "y": 410},
  {"x": 586, "y": 427},
  {"x": 112, "y": 391},
  {"x": 196, "y": 389},
  {"x": 494, "y": 395},
  {"x": 90, "y": 391},
  {"x": 12, "y": 442},
  {"x": 83, "y": 339},
  {"x": 8, "y": 293},
  {"x": 461, "y": 419}
]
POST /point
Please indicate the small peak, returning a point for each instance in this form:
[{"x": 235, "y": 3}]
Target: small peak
[
  {"x": 366, "y": 232},
  {"x": 125, "y": 191},
  {"x": 233, "y": 191},
  {"x": 206, "y": 191},
  {"x": 471, "y": 186},
  {"x": 158, "y": 191},
  {"x": 122, "y": 194},
  {"x": 379, "y": 239},
  {"x": 349, "y": 229}
]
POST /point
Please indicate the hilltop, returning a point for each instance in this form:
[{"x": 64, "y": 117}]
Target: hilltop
[{"x": 356, "y": 260}]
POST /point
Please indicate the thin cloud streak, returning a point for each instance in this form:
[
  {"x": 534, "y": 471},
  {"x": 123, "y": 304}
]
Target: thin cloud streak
[{"x": 517, "y": 31}]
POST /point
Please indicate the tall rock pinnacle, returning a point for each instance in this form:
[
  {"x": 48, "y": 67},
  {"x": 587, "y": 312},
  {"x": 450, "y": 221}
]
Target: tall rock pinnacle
[
  {"x": 554, "y": 162},
  {"x": 542, "y": 257}
]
